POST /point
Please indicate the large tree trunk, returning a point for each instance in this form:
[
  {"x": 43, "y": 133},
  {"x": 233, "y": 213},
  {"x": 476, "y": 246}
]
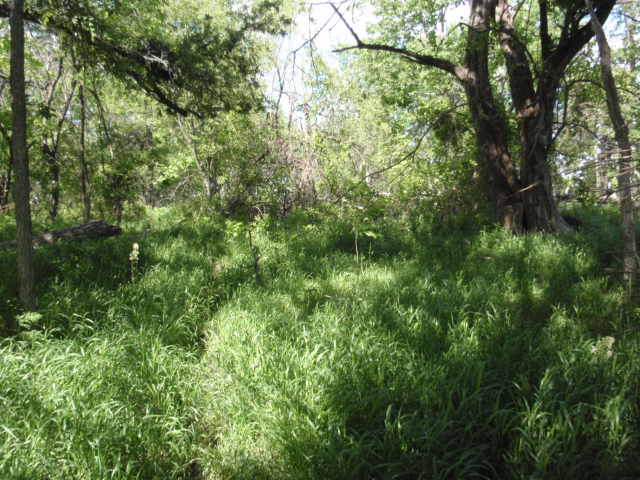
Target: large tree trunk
[
  {"x": 525, "y": 202},
  {"x": 541, "y": 211},
  {"x": 522, "y": 202},
  {"x": 497, "y": 170},
  {"x": 20, "y": 163},
  {"x": 625, "y": 168},
  {"x": 534, "y": 108}
]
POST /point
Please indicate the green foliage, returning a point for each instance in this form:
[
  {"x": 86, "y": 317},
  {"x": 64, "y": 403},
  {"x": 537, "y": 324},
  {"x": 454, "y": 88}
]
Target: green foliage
[
  {"x": 103, "y": 383},
  {"x": 423, "y": 366},
  {"x": 391, "y": 333},
  {"x": 190, "y": 62},
  {"x": 232, "y": 158},
  {"x": 73, "y": 409},
  {"x": 439, "y": 353}
]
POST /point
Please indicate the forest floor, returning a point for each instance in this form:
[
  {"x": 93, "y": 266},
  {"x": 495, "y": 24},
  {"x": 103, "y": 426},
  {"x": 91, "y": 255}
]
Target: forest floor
[{"x": 329, "y": 345}]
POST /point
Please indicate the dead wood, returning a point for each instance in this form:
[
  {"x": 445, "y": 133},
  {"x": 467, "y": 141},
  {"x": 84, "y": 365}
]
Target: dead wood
[{"x": 88, "y": 231}]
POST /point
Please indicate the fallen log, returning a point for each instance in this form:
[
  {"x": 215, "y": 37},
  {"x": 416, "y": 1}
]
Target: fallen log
[{"x": 88, "y": 231}]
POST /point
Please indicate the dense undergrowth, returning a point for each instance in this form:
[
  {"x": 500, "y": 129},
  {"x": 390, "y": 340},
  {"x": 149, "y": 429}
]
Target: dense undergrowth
[{"x": 330, "y": 345}]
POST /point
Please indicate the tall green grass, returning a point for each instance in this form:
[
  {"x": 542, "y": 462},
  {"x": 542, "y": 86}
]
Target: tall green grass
[
  {"x": 450, "y": 355},
  {"x": 113, "y": 406},
  {"x": 105, "y": 383},
  {"x": 333, "y": 344}
]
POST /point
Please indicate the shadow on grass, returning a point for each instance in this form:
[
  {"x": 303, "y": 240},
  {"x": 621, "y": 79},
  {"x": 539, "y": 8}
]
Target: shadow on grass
[{"x": 439, "y": 366}]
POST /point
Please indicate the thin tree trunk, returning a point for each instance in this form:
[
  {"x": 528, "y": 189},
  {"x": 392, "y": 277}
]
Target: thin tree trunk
[
  {"x": 602, "y": 167},
  {"x": 84, "y": 170},
  {"x": 5, "y": 178},
  {"x": 630, "y": 42},
  {"x": 624, "y": 164},
  {"x": 205, "y": 163},
  {"x": 22, "y": 187},
  {"x": 54, "y": 178},
  {"x": 105, "y": 126},
  {"x": 119, "y": 209},
  {"x": 5, "y": 185},
  {"x": 210, "y": 187},
  {"x": 116, "y": 208},
  {"x": 50, "y": 147},
  {"x": 50, "y": 152}
]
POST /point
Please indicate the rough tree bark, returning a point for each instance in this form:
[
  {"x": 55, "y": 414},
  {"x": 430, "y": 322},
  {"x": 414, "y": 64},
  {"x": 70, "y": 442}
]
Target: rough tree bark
[
  {"x": 20, "y": 163},
  {"x": 497, "y": 169},
  {"x": 625, "y": 169},
  {"x": 534, "y": 110}
]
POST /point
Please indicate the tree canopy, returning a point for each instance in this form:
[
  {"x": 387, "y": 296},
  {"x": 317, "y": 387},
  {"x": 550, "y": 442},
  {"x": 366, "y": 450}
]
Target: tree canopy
[{"x": 186, "y": 59}]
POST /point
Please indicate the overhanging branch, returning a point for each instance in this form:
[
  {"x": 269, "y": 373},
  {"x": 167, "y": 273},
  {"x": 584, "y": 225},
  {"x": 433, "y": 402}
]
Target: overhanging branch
[
  {"x": 151, "y": 64},
  {"x": 461, "y": 73},
  {"x": 155, "y": 71}
]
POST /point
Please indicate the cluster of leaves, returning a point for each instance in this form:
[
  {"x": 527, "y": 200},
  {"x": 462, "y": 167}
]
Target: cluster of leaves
[{"x": 192, "y": 62}]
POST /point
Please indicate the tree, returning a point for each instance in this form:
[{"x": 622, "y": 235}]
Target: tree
[
  {"x": 84, "y": 168},
  {"x": 53, "y": 126},
  {"x": 204, "y": 150},
  {"x": 621, "y": 130},
  {"x": 20, "y": 162},
  {"x": 5, "y": 150},
  {"x": 192, "y": 65},
  {"x": 521, "y": 192},
  {"x": 236, "y": 164}
]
